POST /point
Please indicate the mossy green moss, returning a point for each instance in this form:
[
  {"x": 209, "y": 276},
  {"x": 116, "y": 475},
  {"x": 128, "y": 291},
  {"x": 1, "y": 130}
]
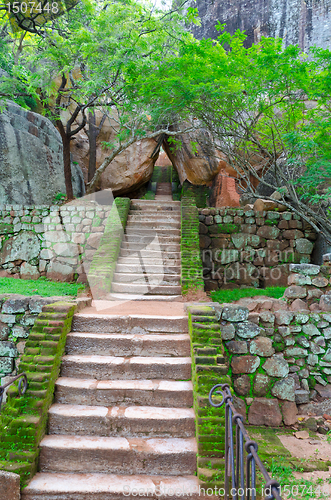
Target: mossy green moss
[{"x": 23, "y": 420}]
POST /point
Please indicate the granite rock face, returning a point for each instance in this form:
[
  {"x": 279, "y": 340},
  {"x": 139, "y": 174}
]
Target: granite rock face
[
  {"x": 198, "y": 167},
  {"x": 31, "y": 159},
  {"x": 297, "y": 22}
]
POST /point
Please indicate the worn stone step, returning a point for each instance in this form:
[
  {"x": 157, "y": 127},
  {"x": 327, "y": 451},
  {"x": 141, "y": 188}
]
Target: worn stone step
[
  {"x": 149, "y": 231},
  {"x": 159, "y": 260},
  {"x": 165, "y": 215},
  {"x": 131, "y": 323},
  {"x": 156, "y": 246},
  {"x": 132, "y": 296},
  {"x": 133, "y": 421},
  {"x": 45, "y": 486},
  {"x": 164, "y": 218},
  {"x": 128, "y": 344},
  {"x": 159, "y": 239},
  {"x": 145, "y": 289},
  {"x": 118, "y": 455},
  {"x": 154, "y": 224},
  {"x": 150, "y": 256},
  {"x": 150, "y": 269},
  {"x": 164, "y": 393},
  {"x": 120, "y": 368},
  {"x": 152, "y": 279}
]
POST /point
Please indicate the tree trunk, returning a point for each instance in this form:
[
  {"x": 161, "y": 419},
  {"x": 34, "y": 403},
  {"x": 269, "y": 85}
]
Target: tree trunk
[
  {"x": 66, "y": 160},
  {"x": 92, "y": 135}
]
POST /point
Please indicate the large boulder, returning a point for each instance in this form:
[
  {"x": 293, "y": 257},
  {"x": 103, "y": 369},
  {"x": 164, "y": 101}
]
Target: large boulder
[
  {"x": 129, "y": 170},
  {"x": 31, "y": 159},
  {"x": 199, "y": 166}
]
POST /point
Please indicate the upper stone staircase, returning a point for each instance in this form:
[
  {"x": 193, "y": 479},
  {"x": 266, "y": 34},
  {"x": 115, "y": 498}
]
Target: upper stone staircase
[
  {"x": 148, "y": 267},
  {"x": 122, "y": 418}
]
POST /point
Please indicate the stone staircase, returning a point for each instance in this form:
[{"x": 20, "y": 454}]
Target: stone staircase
[
  {"x": 148, "y": 267},
  {"x": 122, "y": 420}
]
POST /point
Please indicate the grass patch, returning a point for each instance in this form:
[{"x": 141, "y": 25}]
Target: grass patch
[
  {"x": 275, "y": 292},
  {"x": 42, "y": 286}
]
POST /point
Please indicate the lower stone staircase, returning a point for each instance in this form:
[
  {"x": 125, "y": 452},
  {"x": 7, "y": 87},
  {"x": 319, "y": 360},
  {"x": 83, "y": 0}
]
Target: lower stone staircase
[
  {"x": 122, "y": 421},
  {"x": 148, "y": 267}
]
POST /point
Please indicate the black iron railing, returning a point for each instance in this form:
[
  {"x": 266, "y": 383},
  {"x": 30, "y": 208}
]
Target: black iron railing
[
  {"x": 22, "y": 386},
  {"x": 243, "y": 479}
]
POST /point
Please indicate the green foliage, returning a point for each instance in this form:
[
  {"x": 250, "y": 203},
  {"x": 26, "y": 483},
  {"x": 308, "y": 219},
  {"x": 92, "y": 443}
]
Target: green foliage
[
  {"x": 265, "y": 104},
  {"x": 42, "y": 286},
  {"x": 233, "y": 295}
]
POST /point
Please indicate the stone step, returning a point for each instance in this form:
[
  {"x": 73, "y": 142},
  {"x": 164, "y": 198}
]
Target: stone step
[
  {"x": 120, "y": 368},
  {"x": 45, "y": 486},
  {"x": 155, "y": 279},
  {"x": 145, "y": 289},
  {"x": 150, "y": 269},
  {"x": 133, "y": 421},
  {"x": 128, "y": 344},
  {"x": 153, "y": 224},
  {"x": 119, "y": 455},
  {"x": 139, "y": 201},
  {"x": 132, "y": 296},
  {"x": 152, "y": 232},
  {"x": 164, "y": 393},
  {"x": 150, "y": 255},
  {"x": 146, "y": 239},
  {"x": 153, "y": 217},
  {"x": 161, "y": 259},
  {"x": 131, "y": 323},
  {"x": 157, "y": 207},
  {"x": 154, "y": 246}
]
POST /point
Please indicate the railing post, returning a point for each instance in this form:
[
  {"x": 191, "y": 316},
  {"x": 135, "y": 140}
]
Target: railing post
[
  {"x": 22, "y": 386},
  {"x": 242, "y": 487}
]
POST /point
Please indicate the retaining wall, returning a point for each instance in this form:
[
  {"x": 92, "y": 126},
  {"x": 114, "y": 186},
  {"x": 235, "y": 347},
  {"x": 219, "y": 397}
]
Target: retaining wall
[
  {"x": 56, "y": 242},
  {"x": 279, "y": 352},
  {"x": 244, "y": 247}
]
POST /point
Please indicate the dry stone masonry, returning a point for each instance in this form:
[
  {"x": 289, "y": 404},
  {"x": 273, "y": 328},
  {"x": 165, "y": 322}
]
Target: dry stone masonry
[
  {"x": 279, "y": 351},
  {"x": 56, "y": 242},
  {"x": 246, "y": 247}
]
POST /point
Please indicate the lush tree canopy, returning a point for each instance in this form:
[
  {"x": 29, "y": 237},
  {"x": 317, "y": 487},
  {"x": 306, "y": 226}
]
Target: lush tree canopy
[{"x": 267, "y": 108}]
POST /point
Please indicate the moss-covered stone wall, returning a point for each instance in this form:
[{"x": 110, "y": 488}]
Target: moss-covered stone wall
[{"x": 23, "y": 419}]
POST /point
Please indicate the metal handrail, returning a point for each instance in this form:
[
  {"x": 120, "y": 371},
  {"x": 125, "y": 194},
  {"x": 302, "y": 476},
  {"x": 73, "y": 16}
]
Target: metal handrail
[
  {"x": 22, "y": 386},
  {"x": 234, "y": 462}
]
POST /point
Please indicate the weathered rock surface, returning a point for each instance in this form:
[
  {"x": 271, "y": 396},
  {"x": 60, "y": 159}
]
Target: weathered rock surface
[
  {"x": 245, "y": 364},
  {"x": 31, "y": 159},
  {"x": 262, "y": 346},
  {"x": 131, "y": 169},
  {"x": 199, "y": 167},
  {"x": 302, "y": 23},
  {"x": 276, "y": 366},
  {"x": 24, "y": 246},
  {"x": 284, "y": 389},
  {"x": 261, "y": 384},
  {"x": 9, "y": 486},
  {"x": 265, "y": 411},
  {"x": 242, "y": 385},
  {"x": 289, "y": 411}
]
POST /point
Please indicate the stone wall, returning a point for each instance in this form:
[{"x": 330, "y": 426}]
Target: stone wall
[
  {"x": 245, "y": 247},
  {"x": 56, "y": 242},
  {"x": 17, "y": 317},
  {"x": 279, "y": 351}
]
